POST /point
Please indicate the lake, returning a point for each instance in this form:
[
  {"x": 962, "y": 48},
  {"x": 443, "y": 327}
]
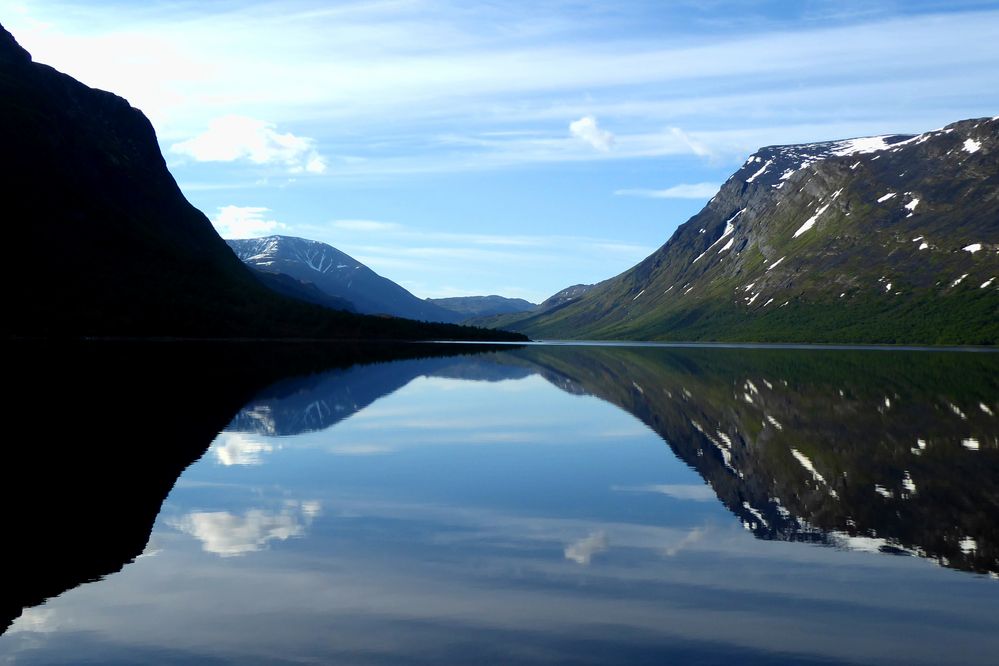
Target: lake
[{"x": 525, "y": 505}]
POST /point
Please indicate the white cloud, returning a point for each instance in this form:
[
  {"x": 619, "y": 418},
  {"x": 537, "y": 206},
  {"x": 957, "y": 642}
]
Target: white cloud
[
  {"x": 229, "y": 535},
  {"x": 582, "y": 551},
  {"x": 230, "y": 138},
  {"x": 365, "y": 225},
  {"x": 244, "y": 222},
  {"x": 587, "y": 129},
  {"x": 681, "y": 191}
]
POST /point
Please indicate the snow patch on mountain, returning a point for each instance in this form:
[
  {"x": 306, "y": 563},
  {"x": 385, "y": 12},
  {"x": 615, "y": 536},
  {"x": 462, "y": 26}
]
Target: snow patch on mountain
[{"x": 971, "y": 146}]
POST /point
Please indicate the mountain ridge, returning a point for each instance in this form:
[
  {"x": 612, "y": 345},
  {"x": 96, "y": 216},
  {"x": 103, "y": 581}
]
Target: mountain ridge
[
  {"x": 337, "y": 274},
  {"x": 483, "y": 306},
  {"x": 891, "y": 239}
]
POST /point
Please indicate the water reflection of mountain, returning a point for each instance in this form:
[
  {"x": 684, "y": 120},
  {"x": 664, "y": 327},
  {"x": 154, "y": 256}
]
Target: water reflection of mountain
[
  {"x": 100, "y": 432},
  {"x": 890, "y": 451},
  {"x": 319, "y": 401}
]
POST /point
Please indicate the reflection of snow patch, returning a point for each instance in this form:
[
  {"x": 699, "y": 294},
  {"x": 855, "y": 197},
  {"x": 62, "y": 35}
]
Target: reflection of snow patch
[
  {"x": 756, "y": 514},
  {"x": 858, "y": 543},
  {"x": 807, "y": 464}
]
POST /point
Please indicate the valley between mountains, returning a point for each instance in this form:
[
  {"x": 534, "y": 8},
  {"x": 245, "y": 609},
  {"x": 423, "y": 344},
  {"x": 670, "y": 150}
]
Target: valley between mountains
[{"x": 889, "y": 239}]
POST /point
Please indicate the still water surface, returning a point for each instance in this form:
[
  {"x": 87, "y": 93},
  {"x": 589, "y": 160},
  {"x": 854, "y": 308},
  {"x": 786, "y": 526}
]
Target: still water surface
[{"x": 573, "y": 505}]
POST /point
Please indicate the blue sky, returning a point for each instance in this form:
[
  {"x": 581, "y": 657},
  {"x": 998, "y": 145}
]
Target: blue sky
[{"x": 502, "y": 147}]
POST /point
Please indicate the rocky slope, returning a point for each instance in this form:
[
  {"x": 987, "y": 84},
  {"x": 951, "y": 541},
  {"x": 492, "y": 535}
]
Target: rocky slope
[
  {"x": 337, "y": 274},
  {"x": 882, "y": 239}
]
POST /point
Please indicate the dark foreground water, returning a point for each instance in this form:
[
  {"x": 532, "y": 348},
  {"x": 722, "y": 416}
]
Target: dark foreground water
[{"x": 538, "y": 505}]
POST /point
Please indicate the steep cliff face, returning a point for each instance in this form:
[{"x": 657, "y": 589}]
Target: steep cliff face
[
  {"x": 101, "y": 241},
  {"x": 882, "y": 239},
  {"x": 105, "y": 241}
]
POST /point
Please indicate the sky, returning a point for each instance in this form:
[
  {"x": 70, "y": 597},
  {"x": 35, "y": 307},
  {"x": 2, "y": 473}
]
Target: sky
[{"x": 505, "y": 147}]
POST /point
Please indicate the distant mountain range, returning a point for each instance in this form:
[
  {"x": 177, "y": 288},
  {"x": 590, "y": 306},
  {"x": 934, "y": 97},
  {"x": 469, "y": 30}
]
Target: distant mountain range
[
  {"x": 884, "y": 239},
  {"x": 338, "y": 275},
  {"x": 104, "y": 244},
  {"x": 483, "y": 306}
]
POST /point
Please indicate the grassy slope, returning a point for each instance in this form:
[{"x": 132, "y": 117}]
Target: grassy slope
[{"x": 833, "y": 278}]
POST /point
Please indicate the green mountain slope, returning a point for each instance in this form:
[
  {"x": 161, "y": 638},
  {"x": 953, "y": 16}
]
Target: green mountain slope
[{"x": 885, "y": 239}]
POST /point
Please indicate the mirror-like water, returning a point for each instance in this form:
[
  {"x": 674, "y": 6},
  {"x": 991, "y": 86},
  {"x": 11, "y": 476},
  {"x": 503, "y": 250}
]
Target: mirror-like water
[{"x": 537, "y": 505}]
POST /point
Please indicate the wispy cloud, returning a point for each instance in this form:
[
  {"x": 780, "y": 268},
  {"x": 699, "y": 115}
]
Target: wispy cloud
[
  {"x": 681, "y": 191},
  {"x": 692, "y": 492},
  {"x": 404, "y": 70},
  {"x": 244, "y": 222},
  {"x": 365, "y": 225}
]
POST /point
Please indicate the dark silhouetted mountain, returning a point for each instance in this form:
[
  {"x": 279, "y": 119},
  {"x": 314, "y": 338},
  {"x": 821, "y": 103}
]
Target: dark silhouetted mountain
[
  {"x": 483, "y": 306},
  {"x": 107, "y": 245},
  {"x": 338, "y": 275},
  {"x": 886, "y": 239},
  {"x": 59, "y": 495},
  {"x": 291, "y": 287}
]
